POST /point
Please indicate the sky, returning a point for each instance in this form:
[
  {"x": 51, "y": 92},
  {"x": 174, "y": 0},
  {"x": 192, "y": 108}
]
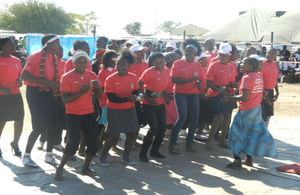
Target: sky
[{"x": 113, "y": 15}]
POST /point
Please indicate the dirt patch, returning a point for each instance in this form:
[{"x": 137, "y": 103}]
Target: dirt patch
[{"x": 288, "y": 103}]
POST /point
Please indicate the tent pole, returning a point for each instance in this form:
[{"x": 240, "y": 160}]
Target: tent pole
[{"x": 272, "y": 39}]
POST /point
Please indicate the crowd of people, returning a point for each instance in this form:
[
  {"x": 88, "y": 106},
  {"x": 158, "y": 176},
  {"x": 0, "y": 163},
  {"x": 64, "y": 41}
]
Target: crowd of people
[{"x": 123, "y": 90}]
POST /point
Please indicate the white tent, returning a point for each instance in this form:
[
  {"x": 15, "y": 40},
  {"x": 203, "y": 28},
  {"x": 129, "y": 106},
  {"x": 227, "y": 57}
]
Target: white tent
[
  {"x": 248, "y": 27},
  {"x": 286, "y": 29}
]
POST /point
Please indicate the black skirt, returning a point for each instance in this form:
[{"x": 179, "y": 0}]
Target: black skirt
[
  {"x": 11, "y": 108},
  {"x": 122, "y": 121},
  {"x": 267, "y": 108}
]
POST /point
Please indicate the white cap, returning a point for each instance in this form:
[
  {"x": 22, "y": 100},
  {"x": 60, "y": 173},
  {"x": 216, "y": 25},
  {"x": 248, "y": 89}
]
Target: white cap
[
  {"x": 171, "y": 44},
  {"x": 257, "y": 57},
  {"x": 136, "y": 47},
  {"x": 131, "y": 41},
  {"x": 78, "y": 54},
  {"x": 225, "y": 48},
  {"x": 203, "y": 55}
]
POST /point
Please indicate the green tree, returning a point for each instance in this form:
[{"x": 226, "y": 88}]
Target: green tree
[
  {"x": 35, "y": 17},
  {"x": 84, "y": 24},
  {"x": 133, "y": 28},
  {"x": 168, "y": 26}
]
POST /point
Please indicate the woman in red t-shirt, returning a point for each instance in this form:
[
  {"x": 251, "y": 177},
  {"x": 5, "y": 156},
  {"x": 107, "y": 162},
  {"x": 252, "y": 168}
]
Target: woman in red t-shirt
[
  {"x": 41, "y": 75},
  {"x": 107, "y": 68},
  {"x": 187, "y": 76},
  {"x": 220, "y": 79},
  {"x": 121, "y": 89},
  {"x": 248, "y": 132},
  {"x": 154, "y": 81},
  {"x": 11, "y": 103},
  {"x": 77, "y": 87}
]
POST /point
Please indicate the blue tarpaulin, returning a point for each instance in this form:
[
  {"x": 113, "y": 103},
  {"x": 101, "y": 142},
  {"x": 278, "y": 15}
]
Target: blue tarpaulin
[{"x": 34, "y": 44}]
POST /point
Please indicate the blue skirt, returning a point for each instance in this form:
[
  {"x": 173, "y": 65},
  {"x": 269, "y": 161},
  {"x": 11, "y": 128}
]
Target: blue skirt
[
  {"x": 249, "y": 134},
  {"x": 103, "y": 118}
]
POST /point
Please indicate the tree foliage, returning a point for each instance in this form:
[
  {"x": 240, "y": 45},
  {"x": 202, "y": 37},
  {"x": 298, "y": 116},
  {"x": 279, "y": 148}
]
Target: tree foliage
[
  {"x": 84, "y": 24},
  {"x": 133, "y": 28},
  {"x": 168, "y": 26},
  {"x": 36, "y": 17}
]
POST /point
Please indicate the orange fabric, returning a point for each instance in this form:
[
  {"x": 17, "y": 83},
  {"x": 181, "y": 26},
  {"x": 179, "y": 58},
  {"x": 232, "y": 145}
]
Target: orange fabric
[
  {"x": 187, "y": 70},
  {"x": 72, "y": 82},
  {"x": 157, "y": 81},
  {"x": 121, "y": 86},
  {"x": 10, "y": 71}
]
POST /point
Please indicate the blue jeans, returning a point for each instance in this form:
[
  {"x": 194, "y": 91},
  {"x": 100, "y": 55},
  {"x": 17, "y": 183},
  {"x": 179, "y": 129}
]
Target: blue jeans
[{"x": 187, "y": 105}]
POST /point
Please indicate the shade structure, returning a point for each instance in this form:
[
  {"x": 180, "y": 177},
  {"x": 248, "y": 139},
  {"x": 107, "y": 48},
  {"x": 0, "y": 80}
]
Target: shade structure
[
  {"x": 286, "y": 29},
  {"x": 248, "y": 27},
  {"x": 191, "y": 30}
]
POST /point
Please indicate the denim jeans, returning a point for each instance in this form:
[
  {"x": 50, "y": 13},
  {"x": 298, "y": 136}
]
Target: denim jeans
[{"x": 186, "y": 104}]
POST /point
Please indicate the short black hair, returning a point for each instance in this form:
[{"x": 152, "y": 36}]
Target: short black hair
[
  {"x": 148, "y": 42},
  {"x": 253, "y": 62},
  {"x": 3, "y": 41},
  {"x": 128, "y": 56},
  {"x": 154, "y": 56},
  {"x": 178, "y": 52},
  {"x": 193, "y": 42},
  {"x": 102, "y": 39},
  {"x": 46, "y": 38},
  {"x": 107, "y": 56},
  {"x": 77, "y": 44}
]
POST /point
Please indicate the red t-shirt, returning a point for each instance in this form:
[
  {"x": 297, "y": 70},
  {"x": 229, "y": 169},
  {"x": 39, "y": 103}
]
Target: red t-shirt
[
  {"x": 187, "y": 70},
  {"x": 61, "y": 68},
  {"x": 102, "y": 76},
  {"x": 270, "y": 73},
  {"x": 121, "y": 86},
  {"x": 69, "y": 65},
  {"x": 10, "y": 71},
  {"x": 138, "y": 69},
  {"x": 255, "y": 84},
  {"x": 213, "y": 54},
  {"x": 219, "y": 74},
  {"x": 156, "y": 81},
  {"x": 33, "y": 67},
  {"x": 72, "y": 82}
]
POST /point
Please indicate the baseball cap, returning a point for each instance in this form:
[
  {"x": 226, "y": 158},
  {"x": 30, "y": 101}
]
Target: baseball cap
[
  {"x": 136, "y": 47},
  {"x": 131, "y": 41},
  {"x": 257, "y": 57},
  {"x": 171, "y": 44},
  {"x": 225, "y": 48}
]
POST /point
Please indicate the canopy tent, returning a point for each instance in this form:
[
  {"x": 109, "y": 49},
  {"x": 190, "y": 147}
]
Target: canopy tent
[
  {"x": 248, "y": 27},
  {"x": 286, "y": 29},
  {"x": 191, "y": 31}
]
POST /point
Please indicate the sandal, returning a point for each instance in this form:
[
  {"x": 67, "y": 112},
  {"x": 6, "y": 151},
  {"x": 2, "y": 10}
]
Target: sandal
[
  {"x": 88, "y": 172},
  {"x": 15, "y": 149},
  {"x": 235, "y": 164},
  {"x": 28, "y": 162},
  {"x": 59, "y": 174}
]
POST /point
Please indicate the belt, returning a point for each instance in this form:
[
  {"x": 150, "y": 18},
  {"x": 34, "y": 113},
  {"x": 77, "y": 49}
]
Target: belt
[{"x": 153, "y": 94}]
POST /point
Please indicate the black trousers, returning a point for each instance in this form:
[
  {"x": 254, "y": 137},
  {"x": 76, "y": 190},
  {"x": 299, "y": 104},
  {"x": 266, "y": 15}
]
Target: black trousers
[
  {"x": 88, "y": 125},
  {"x": 42, "y": 106},
  {"x": 156, "y": 118}
]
